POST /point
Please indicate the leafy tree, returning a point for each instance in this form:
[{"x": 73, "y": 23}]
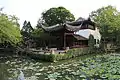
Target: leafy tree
[
  {"x": 108, "y": 19},
  {"x": 91, "y": 44},
  {"x": 56, "y": 16},
  {"x": 26, "y": 29},
  {"x": 37, "y": 32},
  {"x": 9, "y": 29},
  {"x": 24, "y": 26},
  {"x": 42, "y": 38}
]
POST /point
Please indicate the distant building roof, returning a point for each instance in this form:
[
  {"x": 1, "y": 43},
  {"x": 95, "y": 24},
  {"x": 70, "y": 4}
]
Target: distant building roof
[{"x": 80, "y": 19}]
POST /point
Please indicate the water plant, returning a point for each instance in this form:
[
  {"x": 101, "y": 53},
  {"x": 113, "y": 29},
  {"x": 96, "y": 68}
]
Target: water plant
[{"x": 103, "y": 67}]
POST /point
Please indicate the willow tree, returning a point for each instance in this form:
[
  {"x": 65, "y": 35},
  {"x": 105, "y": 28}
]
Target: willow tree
[{"x": 9, "y": 29}]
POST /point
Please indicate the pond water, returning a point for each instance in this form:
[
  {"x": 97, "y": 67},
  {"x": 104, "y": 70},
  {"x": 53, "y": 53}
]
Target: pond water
[{"x": 82, "y": 68}]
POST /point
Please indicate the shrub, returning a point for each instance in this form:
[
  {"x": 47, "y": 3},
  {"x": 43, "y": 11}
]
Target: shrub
[{"x": 72, "y": 53}]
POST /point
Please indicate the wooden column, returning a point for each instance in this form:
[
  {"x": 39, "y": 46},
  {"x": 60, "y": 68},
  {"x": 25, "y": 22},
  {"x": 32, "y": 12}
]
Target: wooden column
[{"x": 64, "y": 40}]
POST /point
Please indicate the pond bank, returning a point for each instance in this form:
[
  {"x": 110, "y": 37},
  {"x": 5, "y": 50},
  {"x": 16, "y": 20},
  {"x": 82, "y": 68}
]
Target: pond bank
[
  {"x": 50, "y": 56},
  {"x": 71, "y": 53}
]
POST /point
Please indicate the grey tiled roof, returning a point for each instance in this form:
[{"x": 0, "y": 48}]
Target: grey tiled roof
[{"x": 71, "y": 26}]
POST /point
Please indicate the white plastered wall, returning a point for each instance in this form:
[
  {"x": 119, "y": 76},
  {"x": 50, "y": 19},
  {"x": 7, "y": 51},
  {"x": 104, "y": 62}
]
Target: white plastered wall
[{"x": 87, "y": 32}]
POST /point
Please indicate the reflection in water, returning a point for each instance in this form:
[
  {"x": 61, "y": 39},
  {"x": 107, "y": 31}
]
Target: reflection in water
[{"x": 21, "y": 76}]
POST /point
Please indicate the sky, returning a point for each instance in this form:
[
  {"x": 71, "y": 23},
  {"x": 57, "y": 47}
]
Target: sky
[{"x": 31, "y": 10}]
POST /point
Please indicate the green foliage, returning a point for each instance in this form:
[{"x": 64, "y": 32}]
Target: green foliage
[
  {"x": 44, "y": 57},
  {"x": 56, "y": 16},
  {"x": 96, "y": 67},
  {"x": 37, "y": 32},
  {"x": 9, "y": 29},
  {"x": 26, "y": 29},
  {"x": 42, "y": 38},
  {"x": 91, "y": 43},
  {"x": 108, "y": 19},
  {"x": 87, "y": 67},
  {"x": 72, "y": 53}
]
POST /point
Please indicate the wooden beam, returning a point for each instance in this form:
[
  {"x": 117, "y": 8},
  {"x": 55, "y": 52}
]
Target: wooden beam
[{"x": 69, "y": 34}]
